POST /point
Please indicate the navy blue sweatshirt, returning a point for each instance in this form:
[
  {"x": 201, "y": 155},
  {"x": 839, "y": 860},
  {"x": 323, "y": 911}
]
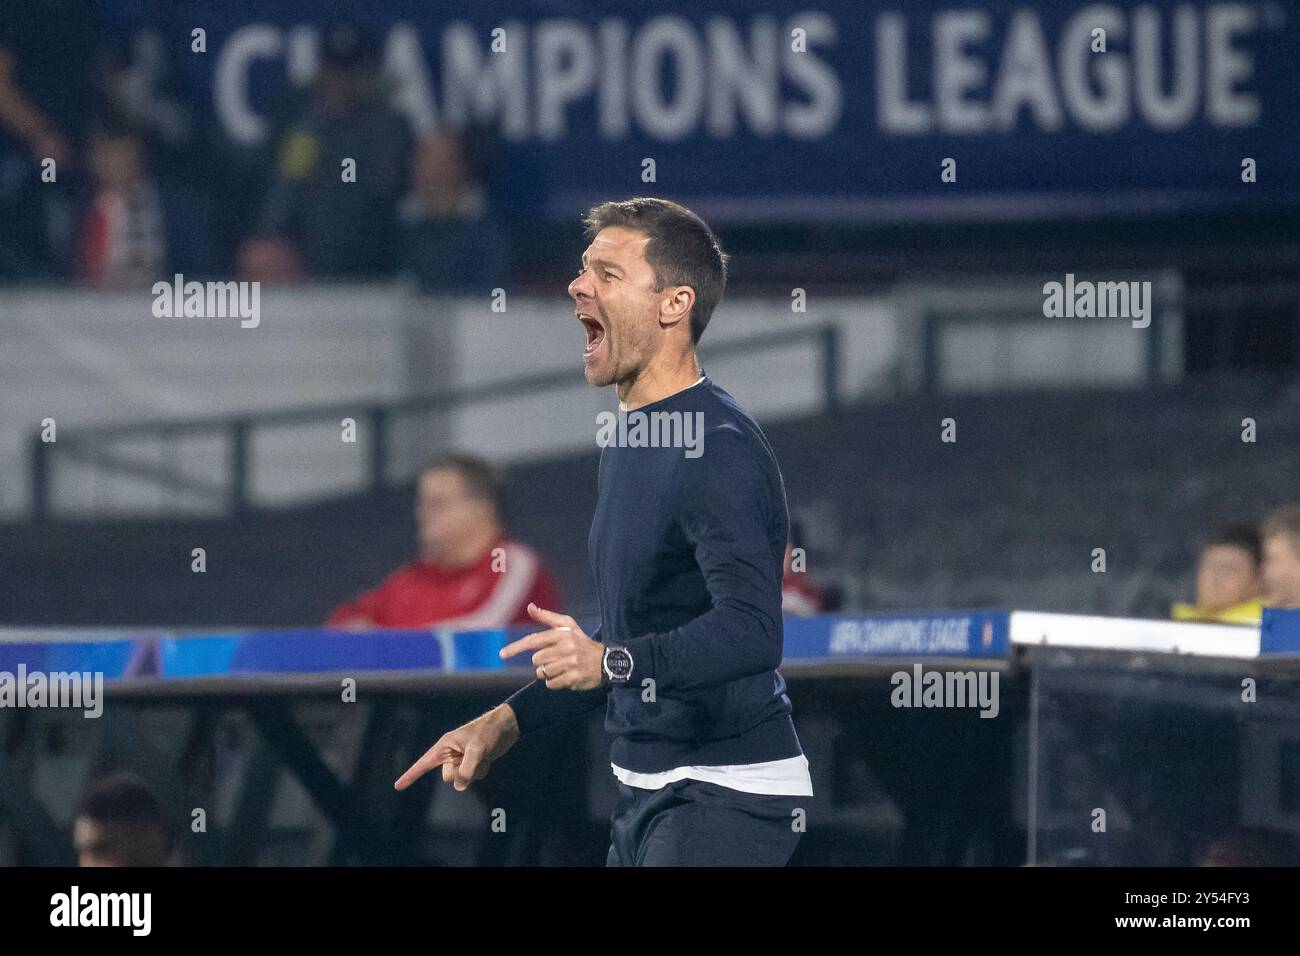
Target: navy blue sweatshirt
[{"x": 687, "y": 546}]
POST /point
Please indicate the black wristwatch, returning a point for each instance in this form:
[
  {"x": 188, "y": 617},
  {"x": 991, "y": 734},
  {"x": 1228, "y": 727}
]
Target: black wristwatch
[{"x": 617, "y": 663}]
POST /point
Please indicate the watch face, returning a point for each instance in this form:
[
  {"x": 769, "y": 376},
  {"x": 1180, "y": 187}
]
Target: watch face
[{"x": 618, "y": 663}]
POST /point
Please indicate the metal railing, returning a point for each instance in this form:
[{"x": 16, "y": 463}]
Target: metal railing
[{"x": 237, "y": 430}]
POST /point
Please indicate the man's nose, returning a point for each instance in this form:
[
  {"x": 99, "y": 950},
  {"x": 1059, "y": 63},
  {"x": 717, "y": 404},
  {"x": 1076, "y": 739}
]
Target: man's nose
[{"x": 580, "y": 287}]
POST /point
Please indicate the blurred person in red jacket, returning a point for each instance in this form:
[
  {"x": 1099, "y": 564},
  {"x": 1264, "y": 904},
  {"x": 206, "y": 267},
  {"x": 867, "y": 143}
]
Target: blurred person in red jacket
[
  {"x": 123, "y": 240},
  {"x": 469, "y": 575}
]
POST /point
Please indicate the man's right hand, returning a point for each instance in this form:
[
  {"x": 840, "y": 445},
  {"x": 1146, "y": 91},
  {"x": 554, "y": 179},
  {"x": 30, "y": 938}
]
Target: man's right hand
[{"x": 466, "y": 753}]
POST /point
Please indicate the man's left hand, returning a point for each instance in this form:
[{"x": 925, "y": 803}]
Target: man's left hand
[{"x": 563, "y": 655}]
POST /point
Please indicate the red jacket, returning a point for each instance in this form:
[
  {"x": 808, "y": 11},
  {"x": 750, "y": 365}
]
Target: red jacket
[
  {"x": 799, "y": 596},
  {"x": 492, "y": 592}
]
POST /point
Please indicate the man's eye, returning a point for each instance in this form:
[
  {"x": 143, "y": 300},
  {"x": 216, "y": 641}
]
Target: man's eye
[{"x": 607, "y": 275}]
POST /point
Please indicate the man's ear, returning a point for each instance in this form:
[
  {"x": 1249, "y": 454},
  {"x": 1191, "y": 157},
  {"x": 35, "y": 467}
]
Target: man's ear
[{"x": 676, "y": 306}]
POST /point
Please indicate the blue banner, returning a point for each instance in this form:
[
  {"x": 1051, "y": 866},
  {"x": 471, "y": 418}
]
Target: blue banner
[
  {"x": 943, "y": 634},
  {"x": 1279, "y": 633},
  {"x": 856, "y": 109},
  {"x": 825, "y": 638}
]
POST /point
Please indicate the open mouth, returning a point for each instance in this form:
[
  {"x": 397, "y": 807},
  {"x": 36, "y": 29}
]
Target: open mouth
[{"x": 595, "y": 334}]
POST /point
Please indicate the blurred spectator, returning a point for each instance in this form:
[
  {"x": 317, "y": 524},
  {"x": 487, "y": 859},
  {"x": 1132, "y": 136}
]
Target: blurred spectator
[
  {"x": 319, "y": 219},
  {"x": 44, "y": 86},
  {"x": 799, "y": 595},
  {"x": 1253, "y": 846},
  {"x": 121, "y": 823},
  {"x": 1228, "y": 580},
  {"x": 122, "y": 239},
  {"x": 1281, "y": 534},
  {"x": 23, "y": 120},
  {"x": 469, "y": 574},
  {"x": 450, "y": 238}
]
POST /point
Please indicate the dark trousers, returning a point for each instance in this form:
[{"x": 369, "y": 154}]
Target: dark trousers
[{"x": 693, "y": 823}]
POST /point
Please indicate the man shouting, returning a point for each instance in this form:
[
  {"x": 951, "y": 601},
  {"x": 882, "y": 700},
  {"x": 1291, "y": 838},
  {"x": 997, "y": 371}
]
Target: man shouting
[{"x": 687, "y": 546}]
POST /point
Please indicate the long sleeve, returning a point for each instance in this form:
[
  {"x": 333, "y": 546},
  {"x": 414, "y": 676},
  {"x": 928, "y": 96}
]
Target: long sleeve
[
  {"x": 730, "y": 506},
  {"x": 537, "y": 707}
]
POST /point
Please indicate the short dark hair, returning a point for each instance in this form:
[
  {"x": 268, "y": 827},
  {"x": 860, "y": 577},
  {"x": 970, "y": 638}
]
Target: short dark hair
[
  {"x": 1243, "y": 536},
  {"x": 122, "y": 797},
  {"x": 482, "y": 479},
  {"x": 1283, "y": 521},
  {"x": 682, "y": 249}
]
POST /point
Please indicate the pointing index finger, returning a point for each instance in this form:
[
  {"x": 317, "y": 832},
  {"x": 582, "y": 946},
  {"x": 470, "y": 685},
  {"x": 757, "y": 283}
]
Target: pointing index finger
[
  {"x": 532, "y": 642},
  {"x": 434, "y": 757}
]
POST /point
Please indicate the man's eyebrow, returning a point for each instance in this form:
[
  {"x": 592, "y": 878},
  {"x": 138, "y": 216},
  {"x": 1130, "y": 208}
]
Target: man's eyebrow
[{"x": 601, "y": 262}]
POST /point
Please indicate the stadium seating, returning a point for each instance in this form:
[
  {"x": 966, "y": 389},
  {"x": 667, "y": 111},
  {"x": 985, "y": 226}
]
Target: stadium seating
[{"x": 1007, "y": 516}]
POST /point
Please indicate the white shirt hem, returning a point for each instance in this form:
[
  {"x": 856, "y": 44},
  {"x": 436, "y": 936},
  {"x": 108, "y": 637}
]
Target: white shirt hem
[{"x": 778, "y": 778}]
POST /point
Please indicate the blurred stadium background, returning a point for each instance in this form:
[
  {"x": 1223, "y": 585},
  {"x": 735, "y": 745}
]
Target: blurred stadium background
[{"x": 870, "y": 301}]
